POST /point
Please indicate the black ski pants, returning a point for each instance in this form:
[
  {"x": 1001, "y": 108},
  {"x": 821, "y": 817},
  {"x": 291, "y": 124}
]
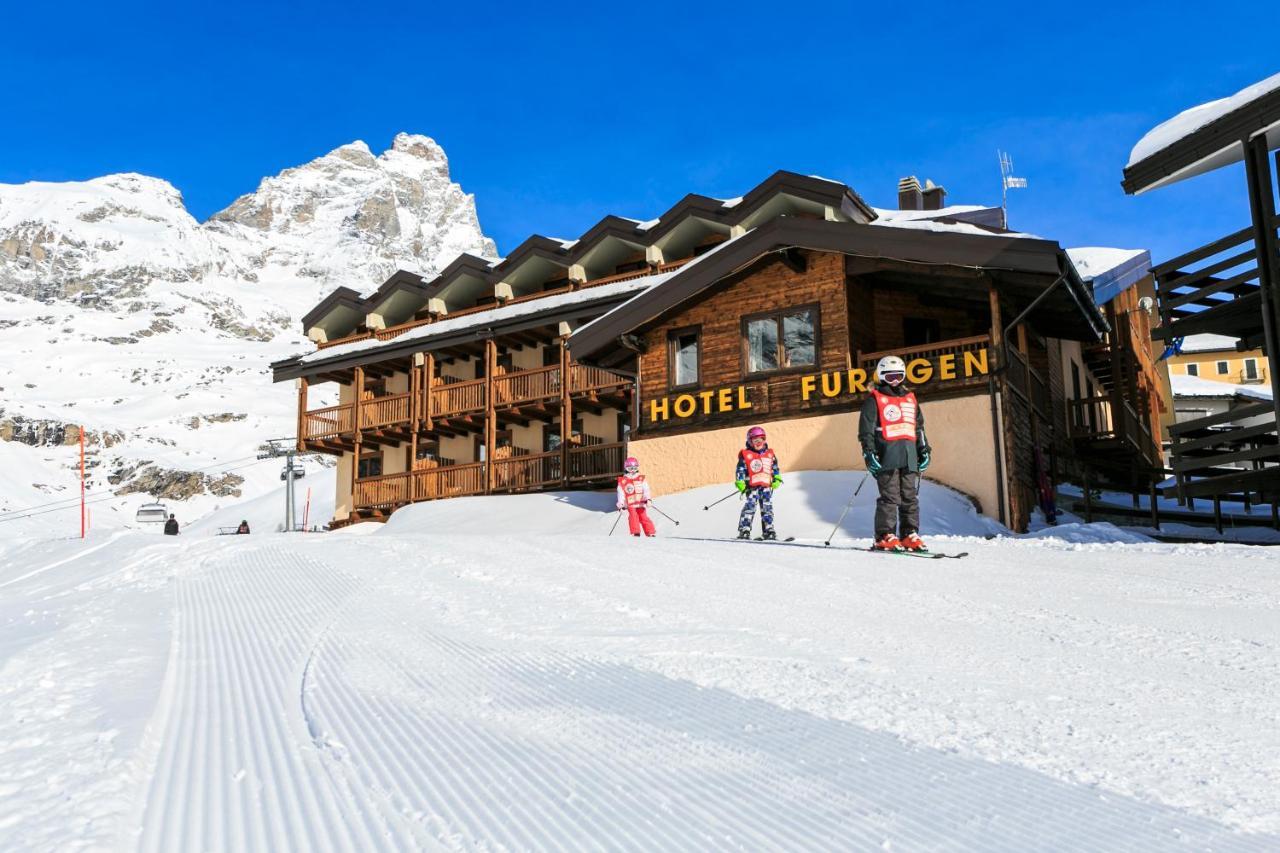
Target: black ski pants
[{"x": 898, "y": 507}]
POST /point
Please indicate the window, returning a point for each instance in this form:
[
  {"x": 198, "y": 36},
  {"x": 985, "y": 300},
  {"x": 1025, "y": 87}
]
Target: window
[
  {"x": 1075, "y": 381},
  {"x": 1193, "y": 370},
  {"x": 550, "y": 355},
  {"x": 917, "y": 331},
  {"x": 1250, "y": 368},
  {"x": 684, "y": 357},
  {"x": 370, "y": 466},
  {"x": 1223, "y": 367},
  {"x": 784, "y": 340}
]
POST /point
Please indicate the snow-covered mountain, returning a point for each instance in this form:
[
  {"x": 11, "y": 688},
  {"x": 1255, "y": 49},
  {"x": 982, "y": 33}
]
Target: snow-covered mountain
[{"x": 121, "y": 312}]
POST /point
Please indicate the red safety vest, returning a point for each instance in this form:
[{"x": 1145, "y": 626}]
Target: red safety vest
[
  {"x": 897, "y": 416},
  {"x": 759, "y": 466},
  {"x": 632, "y": 489}
]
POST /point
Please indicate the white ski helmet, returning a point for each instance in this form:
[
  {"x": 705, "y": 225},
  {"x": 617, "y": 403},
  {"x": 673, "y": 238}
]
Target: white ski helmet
[{"x": 891, "y": 364}]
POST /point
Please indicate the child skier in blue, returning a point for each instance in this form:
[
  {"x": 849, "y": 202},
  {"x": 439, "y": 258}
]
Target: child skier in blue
[{"x": 757, "y": 475}]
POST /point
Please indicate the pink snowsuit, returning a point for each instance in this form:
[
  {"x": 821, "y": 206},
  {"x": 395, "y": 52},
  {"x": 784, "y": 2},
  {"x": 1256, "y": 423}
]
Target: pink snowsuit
[{"x": 634, "y": 496}]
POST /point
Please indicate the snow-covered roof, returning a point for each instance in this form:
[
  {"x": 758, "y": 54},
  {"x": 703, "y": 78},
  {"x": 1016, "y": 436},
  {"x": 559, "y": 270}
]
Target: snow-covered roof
[
  {"x": 1170, "y": 132},
  {"x": 1112, "y": 271},
  {"x": 481, "y": 319},
  {"x": 951, "y": 210},
  {"x": 947, "y": 227},
  {"x": 1208, "y": 343},
  {"x": 1184, "y": 385}
]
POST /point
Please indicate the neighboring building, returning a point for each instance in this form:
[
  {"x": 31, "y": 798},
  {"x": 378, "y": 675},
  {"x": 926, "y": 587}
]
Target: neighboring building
[
  {"x": 1225, "y": 293},
  {"x": 677, "y": 333},
  {"x": 1215, "y": 357}
]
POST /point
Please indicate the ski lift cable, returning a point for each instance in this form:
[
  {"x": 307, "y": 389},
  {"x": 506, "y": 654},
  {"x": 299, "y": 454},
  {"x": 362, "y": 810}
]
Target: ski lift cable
[{"x": 99, "y": 493}]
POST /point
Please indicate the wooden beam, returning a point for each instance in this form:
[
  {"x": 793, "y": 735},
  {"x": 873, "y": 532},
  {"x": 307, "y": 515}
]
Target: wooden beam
[
  {"x": 429, "y": 382},
  {"x": 566, "y": 409},
  {"x": 490, "y": 419},
  {"x": 302, "y": 411},
  {"x": 355, "y": 437}
]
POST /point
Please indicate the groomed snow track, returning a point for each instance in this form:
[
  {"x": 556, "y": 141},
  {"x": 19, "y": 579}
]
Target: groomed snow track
[{"x": 307, "y": 709}]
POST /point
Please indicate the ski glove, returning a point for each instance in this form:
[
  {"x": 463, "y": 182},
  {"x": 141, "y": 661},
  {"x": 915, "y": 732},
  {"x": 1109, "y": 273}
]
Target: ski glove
[
  {"x": 741, "y": 485},
  {"x": 926, "y": 456},
  {"x": 873, "y": 462},
  {"x": 777, "y": 481}
]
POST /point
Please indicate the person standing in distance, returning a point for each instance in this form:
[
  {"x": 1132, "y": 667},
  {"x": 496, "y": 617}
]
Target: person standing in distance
[{"x": 891, "y": 432}]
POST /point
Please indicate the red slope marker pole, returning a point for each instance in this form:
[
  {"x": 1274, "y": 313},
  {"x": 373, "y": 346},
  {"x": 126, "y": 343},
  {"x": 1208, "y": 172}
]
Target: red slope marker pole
[{"x": 306, "y": 509}]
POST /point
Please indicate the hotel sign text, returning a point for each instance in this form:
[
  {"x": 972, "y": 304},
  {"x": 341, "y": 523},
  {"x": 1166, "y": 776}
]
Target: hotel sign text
[{"x": 830, "y": 384}]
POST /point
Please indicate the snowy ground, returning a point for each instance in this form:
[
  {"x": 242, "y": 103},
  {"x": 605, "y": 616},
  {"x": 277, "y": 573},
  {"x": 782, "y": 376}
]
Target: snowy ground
[{"x": 499, "y": 672}]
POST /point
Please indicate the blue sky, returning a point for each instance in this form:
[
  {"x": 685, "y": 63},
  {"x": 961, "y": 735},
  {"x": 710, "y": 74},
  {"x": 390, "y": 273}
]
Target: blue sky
[{"x": 554, "y": 115}]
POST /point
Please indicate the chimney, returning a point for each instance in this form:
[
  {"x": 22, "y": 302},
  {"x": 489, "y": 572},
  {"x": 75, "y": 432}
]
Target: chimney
[
  {"x": 934, "y": 196},
  {"x": 909, "y": 197}
]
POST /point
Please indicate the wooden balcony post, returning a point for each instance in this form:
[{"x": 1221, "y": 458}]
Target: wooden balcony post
[
  {"x": 566, "y": 411},
  {"x": 302, "y": 413},
  {"x": 355, "y": 427},
  {"x": 428, "y": 381},
  {"x": 490, "y": 416}
]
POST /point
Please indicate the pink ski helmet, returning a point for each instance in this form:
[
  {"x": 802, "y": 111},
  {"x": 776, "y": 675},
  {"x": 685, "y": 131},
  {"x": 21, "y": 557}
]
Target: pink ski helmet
[
  {"x": 631, "y": 465},
  {"x": 755, "y": 432}
]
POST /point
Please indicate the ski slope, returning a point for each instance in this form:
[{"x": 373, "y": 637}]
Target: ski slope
[{"x": 501, "y": 673}]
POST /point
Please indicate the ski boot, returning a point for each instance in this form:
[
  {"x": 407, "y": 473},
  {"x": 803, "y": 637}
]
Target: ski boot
[
  {"x": 769, "y": 536},
  {"x": 744, "y": 534},
  {"x": 887, "y": 542},
  {"x": 913, "y": 542}
]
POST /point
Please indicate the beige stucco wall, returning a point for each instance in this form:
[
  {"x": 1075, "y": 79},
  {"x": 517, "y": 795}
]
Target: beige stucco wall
[
  {"x": 395, "y": 460},
  {"x": 398, "y": 383},
  {"x": 527, "y": 437},
  {"x": 459, "y": 369},
  {"x": 603, "y": 426},
  {"x": 459, "y": 448},
  {"x": 959, "y": 431},
  {"x": 526, "y": 358},
  {"x": 342, "y": 491}
]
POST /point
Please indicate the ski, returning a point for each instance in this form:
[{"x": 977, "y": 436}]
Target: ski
[
  {"x": 922, "y": 555},
  {"x": 762, "y": 539}
]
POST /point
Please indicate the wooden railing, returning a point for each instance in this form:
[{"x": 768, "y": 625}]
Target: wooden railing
[
  {"x": 384, "y": 411},
  {"x": 457, "y": 397},
  {"x": 1224, "y": 271},
  {"x": 526, "y": 471},
  {"x": 327, "y": 423},
  {"x": 595, "y": 462},
  {"x": 526, "y": 385},
  {"x": 1027, "y": 381},
  {"x": 392, "y": 490},
  {"x": 583, "y": 378},
  {"x": 932, "y": 352},
  {"x": 1106, "y": 417}
]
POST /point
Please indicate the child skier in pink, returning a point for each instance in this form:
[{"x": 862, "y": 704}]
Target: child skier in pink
[{"x": 634, "y": 497}]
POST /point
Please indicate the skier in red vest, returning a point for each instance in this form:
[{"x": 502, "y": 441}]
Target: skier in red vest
[
  {"x": 891, "y": 432},
  {"x": 756, "y": 476},
  {"x": 633, "y": 498}
]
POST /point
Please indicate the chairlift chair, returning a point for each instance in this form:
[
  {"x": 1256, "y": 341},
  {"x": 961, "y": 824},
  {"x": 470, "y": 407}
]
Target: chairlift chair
[{"x": 153, "y": 513}]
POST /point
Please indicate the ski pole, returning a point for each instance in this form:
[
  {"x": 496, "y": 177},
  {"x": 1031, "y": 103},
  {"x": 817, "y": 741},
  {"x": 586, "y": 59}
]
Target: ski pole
[
  {"x": 663, "y": 514},
  {"x": 615, "y": 523},
  {"x": 722, "y": 500},
  {"x": 846, "y": 509}
]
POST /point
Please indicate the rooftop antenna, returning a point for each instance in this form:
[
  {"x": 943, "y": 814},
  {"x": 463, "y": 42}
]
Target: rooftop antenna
[{"x": 1007, "y": 182}]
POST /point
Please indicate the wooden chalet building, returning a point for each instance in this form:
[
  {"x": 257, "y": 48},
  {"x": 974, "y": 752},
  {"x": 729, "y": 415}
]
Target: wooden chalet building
[
  {"x": 1229, "y": 287},
  {"x": 664, "y": 339}
]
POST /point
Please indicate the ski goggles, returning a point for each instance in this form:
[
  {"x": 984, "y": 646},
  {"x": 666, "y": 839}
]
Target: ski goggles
[
  {"x": 893, "y": 377},
  {"x": 632, "y": 469}
]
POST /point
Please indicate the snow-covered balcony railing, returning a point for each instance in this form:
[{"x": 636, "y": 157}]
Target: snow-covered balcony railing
[
  {"x": 956, "y": 348},
  {"x": 330, "y": 422}
]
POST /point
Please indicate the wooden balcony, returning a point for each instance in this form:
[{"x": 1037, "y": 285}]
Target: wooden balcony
[
  {"x": 457, "y": 398},
  {"x": 378, "y": 412},
  {"x": 595, "y": 464},
  {"x": 333, "y": 422},
  {"x": 526, "y": 386}
]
